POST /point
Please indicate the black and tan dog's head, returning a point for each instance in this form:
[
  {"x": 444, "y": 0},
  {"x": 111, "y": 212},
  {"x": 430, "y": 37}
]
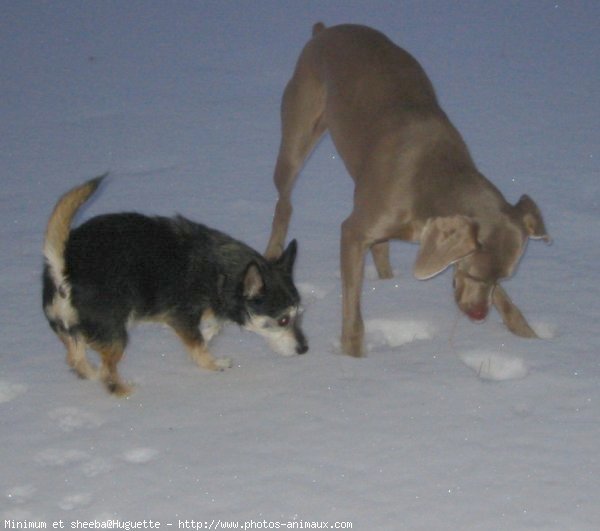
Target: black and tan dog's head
[
  {"x": 272, "y": 303},
  {"x": 482, "y": 256}
]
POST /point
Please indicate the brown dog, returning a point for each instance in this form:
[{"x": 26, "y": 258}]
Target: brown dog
[{"x": 414, "y": 178}]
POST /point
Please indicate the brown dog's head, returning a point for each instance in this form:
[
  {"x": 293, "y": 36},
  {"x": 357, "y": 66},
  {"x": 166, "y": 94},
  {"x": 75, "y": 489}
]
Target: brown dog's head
[{"x": 482, "y": 254}]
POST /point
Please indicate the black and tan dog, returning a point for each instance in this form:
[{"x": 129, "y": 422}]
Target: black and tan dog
[{"x": 116, "y": 268}]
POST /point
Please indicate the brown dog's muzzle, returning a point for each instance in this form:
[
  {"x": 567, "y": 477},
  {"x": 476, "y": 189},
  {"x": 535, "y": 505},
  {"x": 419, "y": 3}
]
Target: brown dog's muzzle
[
  {"x": 477, "y": 313},
  {"x": 473, "y": 296}
]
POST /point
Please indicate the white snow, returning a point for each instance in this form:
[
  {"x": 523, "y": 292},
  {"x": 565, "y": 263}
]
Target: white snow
[
  {"x": 396, "y": 332},
  {"x": 494, "y": 366},
  {"x": 445, "y": 425}
]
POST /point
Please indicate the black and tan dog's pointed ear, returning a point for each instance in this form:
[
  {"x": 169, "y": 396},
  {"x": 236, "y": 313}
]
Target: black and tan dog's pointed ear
[
  {"x": 287, "y": 259},
  {"x": 253, "y": 282},
  {"x": 444, "y": 241},
  {"x": 532, "y": 219}
]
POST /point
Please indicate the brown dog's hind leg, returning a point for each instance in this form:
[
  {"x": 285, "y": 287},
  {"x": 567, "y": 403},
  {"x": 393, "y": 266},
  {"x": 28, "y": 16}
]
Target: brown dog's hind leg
[{"x": 302, "y": 125}]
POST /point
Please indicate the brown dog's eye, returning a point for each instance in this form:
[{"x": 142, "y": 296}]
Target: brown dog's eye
[{"x": 284, "y": 321}]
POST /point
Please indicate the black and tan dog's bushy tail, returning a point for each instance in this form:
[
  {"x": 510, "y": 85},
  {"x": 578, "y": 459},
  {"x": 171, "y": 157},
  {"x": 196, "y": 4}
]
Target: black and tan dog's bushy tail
[{"x": 59, "y": 226}]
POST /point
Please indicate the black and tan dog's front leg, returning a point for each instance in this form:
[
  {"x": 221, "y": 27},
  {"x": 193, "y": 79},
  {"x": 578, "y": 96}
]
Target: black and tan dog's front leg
[
  {"x": 192, "y": 338},
  {"x": 110, "y": 354}
]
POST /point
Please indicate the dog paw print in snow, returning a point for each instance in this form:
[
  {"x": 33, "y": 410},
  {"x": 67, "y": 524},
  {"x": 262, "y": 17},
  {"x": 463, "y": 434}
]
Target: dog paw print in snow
[
  {"x": 60, "y": 457},
  {"x": 72, "y": 418},
  {"x": 21, "y": 494},
  {"x": 140, "y": 455},
  {"x": 396, "y": 332},
  {"x": 75, "y": 501},
  {"x": 96, "y": 467},
  {"x": 495, "y": 366}
]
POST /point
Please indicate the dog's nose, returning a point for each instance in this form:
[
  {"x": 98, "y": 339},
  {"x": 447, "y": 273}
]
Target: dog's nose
[
  {"x": 302, "y": 348},
  {"x": 477, "y": 313}
]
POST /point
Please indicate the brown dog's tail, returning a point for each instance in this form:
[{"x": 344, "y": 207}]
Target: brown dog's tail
[
  {"x": 318, "y": 28},
  {"x": 59, "y": 226}
]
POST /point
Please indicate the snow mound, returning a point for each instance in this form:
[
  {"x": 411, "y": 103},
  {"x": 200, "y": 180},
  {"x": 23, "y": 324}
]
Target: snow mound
[
  {"x": 396, "y": 332},
  {"x": 494, "y": 366},
  {"x": 310, "y": 292},
  {"x": 545, "y": 330},
  {"x": 9, "y": 391}
]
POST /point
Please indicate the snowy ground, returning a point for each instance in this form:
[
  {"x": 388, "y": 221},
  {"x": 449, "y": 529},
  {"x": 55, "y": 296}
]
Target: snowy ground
[{"x": 445, "y": 425}]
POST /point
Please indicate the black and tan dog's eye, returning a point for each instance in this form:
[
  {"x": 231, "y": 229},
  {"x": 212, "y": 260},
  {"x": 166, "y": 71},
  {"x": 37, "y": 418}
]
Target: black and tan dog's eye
[{"x": 284, "y": 321}]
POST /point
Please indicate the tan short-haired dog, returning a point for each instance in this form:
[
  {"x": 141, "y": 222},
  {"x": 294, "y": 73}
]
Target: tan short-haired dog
[{"x": 414, "y": 177}]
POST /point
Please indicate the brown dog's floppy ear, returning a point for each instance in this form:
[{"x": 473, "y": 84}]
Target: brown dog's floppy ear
[
  {"x": 511, "y": 315},
  {"x": 532, "y": 219},
  {"x": 443, "y": 242}
]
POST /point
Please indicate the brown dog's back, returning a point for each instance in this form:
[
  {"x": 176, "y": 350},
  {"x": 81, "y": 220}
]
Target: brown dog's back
[
  {"x": 374, "y": 94},
  {"x": 369, "y": 69}
]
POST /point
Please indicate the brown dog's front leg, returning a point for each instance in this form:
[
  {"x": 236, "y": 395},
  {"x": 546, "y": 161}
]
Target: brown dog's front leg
[
  {"x": 381, "y": 256},
  {"x": 511, "y": 315},
  {"x": 352, "y": 256}
]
